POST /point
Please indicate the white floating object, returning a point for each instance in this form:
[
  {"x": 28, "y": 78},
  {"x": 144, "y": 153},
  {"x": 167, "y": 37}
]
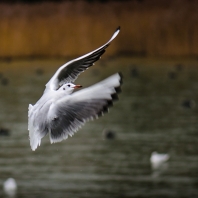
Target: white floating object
[
  {"x": 10, "y": 187},
  {"x": 157, "y": 160}
]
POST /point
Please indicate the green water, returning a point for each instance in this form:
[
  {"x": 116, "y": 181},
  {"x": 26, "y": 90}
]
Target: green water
[{"x": 150, "y": 116}]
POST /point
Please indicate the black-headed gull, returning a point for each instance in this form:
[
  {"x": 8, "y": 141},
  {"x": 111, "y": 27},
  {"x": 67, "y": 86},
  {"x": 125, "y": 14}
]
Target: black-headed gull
[{"x": 61, "y": 113}]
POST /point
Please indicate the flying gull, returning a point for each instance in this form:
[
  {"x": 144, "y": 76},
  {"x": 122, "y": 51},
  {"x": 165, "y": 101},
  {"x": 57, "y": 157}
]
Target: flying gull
[{"x": 59, "y": 112}]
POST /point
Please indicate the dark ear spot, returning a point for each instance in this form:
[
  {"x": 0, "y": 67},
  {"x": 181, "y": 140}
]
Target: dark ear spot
[
  {"x": 63, "y": 88},
  {"x": 55, "y": 118}
]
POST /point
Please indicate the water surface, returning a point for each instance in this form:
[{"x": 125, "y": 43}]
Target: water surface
[{"x": 152, "y": 115}]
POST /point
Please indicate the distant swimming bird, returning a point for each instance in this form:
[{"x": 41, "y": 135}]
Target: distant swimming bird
[
  {"x": 39, "y": 71},
  {"x": 158, "y": 159},
  {"x": 10, "y": 187},
  {"x": 134, "y": 72},
  {"x": 189, "y": 104},
  {"x": 179, "y": 67},
  {"x": 4, "y": 81},
  {"x": 4, "y": 132},
  {"x": 109, "y": 134},
  {"x": 61, "y": 113},
  {"x": 172, "y": 75}
]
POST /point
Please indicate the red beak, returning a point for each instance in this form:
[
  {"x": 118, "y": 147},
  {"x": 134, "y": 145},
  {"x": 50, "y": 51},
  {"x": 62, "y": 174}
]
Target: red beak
[{"x": 77, "y": 86}]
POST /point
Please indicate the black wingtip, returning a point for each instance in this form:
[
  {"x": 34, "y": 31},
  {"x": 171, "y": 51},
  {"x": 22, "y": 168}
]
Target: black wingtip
[
  {"x": 99, "y": 114},
  {"x": 118, "y": 28},
  {"x": 121, "y": 77},
  {"x": 114, "y": 97},
  {"x": 118, "y": 89},
  {"x": 110, "y": 103},
  {"x": 105, "y": 109}
]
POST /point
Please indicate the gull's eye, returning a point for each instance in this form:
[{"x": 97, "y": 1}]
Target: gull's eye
[
  {"x": 63, "y": 88},
  {"x": 68, "y": 85}
]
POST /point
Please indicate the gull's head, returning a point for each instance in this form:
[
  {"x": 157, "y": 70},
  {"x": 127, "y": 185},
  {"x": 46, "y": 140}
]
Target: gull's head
[{"x": 68, "y": 88}]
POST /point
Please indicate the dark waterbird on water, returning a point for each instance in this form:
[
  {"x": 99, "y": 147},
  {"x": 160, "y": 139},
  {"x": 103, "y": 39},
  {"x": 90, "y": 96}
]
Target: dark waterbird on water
[
  {"x": 189, "y": 104},
  {"x": 39, "y": 71},
  {"x": 60, "y": 113},
  {"x": 134, "y": 72},
  {"x": 4, "y": 132},
  {"x": 109, "y": 134},
  {"x": 4, "y": 80}
]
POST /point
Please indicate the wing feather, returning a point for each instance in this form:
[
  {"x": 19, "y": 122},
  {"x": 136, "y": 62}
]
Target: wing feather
[
  {"x": 72, "y": 69},
  {"x": 74, "y": 111}
]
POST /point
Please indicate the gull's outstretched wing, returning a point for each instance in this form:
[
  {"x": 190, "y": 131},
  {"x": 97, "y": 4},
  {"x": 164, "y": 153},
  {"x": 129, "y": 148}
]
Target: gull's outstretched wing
[
  {"x": 72, "y": 69},
  {"x": 68, "y": 114}
]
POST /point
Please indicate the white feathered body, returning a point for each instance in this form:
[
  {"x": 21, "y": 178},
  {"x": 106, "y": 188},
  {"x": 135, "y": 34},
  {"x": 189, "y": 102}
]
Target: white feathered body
[{"x": 55, "y": 105}]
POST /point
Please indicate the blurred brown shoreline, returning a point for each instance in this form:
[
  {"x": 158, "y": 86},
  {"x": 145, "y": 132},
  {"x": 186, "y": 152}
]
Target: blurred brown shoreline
[{"x": 149, "y": 28}]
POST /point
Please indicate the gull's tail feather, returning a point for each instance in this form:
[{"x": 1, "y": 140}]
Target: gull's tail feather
[
  {"x": 34, "y": 141},
  {"x": 34, "y": 135}
]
